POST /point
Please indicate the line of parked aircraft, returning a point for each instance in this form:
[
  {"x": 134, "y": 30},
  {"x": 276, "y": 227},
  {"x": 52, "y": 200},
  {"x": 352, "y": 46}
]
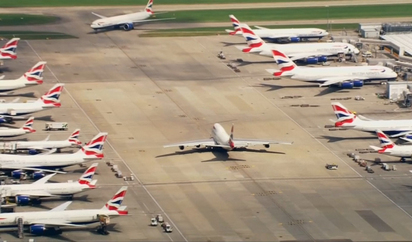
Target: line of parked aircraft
[
  {"x": 285, "y": 57},
  {"x": 42, "y": 160}
]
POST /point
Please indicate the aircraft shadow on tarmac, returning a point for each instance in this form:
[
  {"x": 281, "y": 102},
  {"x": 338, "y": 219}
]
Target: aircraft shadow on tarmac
[
  {"x": 332, "y": 139},
  {"x": 232, "y": 44},
  {"x": 324, "y": 90},
  {"x": 219, "y": 153},
  {"x": 12, "y": 94}
]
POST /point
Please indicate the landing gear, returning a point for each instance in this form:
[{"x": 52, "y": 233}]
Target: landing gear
[
  {"x": 402, "y": 159},
  {"x": 102, "y": 229}
]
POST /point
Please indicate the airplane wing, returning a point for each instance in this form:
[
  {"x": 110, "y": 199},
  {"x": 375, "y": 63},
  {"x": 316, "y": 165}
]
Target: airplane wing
[
  {"x": 259, "y": 27},
  {"x": 61, "y": 207},
  {"x": 243, "y": 143},
  {"x": 44, "y": 179},
  {"x": 336, "y": 80},
  {"x": 15, "y": 100},
  {"x": 8, "y": 167},
  {"x": 204, "y": 142},
  {"x": 98, "y": 15}
]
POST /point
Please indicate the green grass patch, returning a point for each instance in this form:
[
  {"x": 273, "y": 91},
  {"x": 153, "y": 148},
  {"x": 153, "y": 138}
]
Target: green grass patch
[
  {"x": 68, "y": 3},
  {"x": 284, "y": 14},
  {"x": 189, "y": 32},
  {"x": 25, "y": 19},
  {"x": 33, "y": 35}
]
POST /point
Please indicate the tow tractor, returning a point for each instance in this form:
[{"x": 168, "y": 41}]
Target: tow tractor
[
  {"x": 166, "y": 226},
  {"x": 221, "y": 55}
]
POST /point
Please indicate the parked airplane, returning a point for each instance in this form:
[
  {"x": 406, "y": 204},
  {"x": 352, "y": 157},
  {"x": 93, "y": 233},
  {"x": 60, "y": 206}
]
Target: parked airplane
[
  {"x": 47, "y": 162},
  {"x": 8, "y": 51},
  {"x": 280, "y": 35},
  {"x": 32, "y": 77},
  {"x": 221, "y": 139},
  {"x": 125, "y": 21},
  {"x": 343, "y": 77},
  {"x": 26, "y": 128},
  {"x": 44, "y": 145},
  {"x": 49, "y": 100},
  {"x": 309, "y": 53},
  {"x": 23, "y": 194},
  {"x": 348, "y": 120},
  {"x": 390, "y": 148},
  {"x": 58, "y": 217}
]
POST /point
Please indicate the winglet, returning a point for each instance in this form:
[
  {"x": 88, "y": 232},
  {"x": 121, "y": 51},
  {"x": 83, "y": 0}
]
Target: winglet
[{"x": 231, "y": 143}]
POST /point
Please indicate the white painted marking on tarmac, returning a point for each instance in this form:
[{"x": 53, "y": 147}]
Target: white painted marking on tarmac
[
  {"x": 115, "y": 151},
  {"x": 270, "y": 101}
]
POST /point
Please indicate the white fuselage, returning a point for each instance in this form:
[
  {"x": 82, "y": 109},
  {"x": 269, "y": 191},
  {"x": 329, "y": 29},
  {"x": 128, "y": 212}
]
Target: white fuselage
[
  {"x": 45, "y": 144},
  {"x": 220, "y": 136},
  {"x": 8, "y": 85},
  {"x": 399, "y": 151},
  {"x": 327, "y": 49},
  {"x": 67, "y": 188},
  {"x": 389, "y": 127},
  {"x": 21, "y": 108},
  {"x": 52, "y": 160},
  {"x": 361, "y": 72},
  {"x": 120, "y": 20},
  {"x": 73, "y": 216},
  {"x": 7, "y": 132},
  {"x": 299, "y": 32}
]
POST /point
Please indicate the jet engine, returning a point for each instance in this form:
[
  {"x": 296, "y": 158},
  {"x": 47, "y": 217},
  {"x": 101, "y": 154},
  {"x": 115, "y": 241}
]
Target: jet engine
[
  {"x": 266, "y": 145},
  {"x": 294, "y": 39},
  {"x": 8, "y": 120},
  {"x": 18, "y": 174},
  {"x": 311, "y": 60},
  {"x": 358, "y": 83},
  {"x": 181, "y": 147},
  {"x": 322, "y": 59},
  {"x": 33, "y": 152},
  {"x": 37, "y": 229},
  {"x": 22, "y": 200},
  {"x": 37, "y": 175},
  {"x": 128, "y": 26},
  {"x": 346, "y": 85}
]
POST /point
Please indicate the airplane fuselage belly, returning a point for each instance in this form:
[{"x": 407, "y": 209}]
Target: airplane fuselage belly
[
  {"x": 73, "y": 216},
  {"x": 8, "y": 85},
  {"x": 120, "y": 20},
  {"x": 20, "y": 108},
  {"x": 362, "y": 72},
  {"x": 54, "y": 160},
  {"x": 400, "y": 151},
  {"x": 51, "y": 188},
  {"x": 43, "y": 144},
  {"x": 11, "y": 132}
]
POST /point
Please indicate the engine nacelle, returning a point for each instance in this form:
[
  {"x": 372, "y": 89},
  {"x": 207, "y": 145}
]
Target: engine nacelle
[
  {"x": 358, "y": 83},
  {"x": 197, "y": 146},
  {"x": 37, "y": 229},
  {"x": 33, "y": 152},
  {"x": 346, "y": 85},
  {"x": 294, "y": 39},
  {"x": 6, "y": 119},
  {"x": 322, "y": 59},
  {"x": 22, "y": 200},
  {"x": 37, "y": 175},
  {"x": 128, "y": 26},
  {"x": 311, "y": 60},
  {"x": 18, "y": 174},
  {"x": 266, "y": 145},
  {"x": 181, "y": 147}
]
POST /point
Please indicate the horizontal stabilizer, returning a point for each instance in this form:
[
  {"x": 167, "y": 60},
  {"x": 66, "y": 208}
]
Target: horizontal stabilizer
[
  {"x": 259, "y": 27},
  {"x": 98, "y": 15}
]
